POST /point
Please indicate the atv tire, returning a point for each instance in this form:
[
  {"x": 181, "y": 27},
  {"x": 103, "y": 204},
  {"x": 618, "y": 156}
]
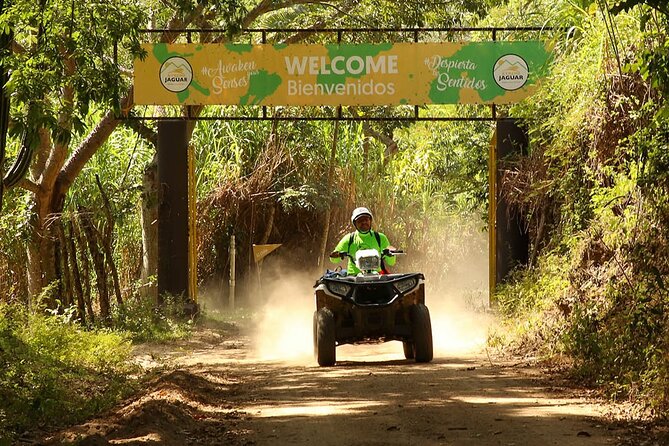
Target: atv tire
[
  {"x": 324, "y": 337},
  {"x": 421, "y": 328},
  {"x": 408, "y": 349}
]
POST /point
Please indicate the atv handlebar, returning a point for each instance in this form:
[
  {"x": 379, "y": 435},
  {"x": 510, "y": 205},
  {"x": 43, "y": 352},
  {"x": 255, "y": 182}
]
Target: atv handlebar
[
  {"x": 385, "y": 253},
  {"x": 391, "y": 252}
]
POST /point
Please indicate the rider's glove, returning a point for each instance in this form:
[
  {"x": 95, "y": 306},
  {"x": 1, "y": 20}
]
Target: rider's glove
[
  {"x": 335, "y": 254},
  {"x": 386, "y": 252}
]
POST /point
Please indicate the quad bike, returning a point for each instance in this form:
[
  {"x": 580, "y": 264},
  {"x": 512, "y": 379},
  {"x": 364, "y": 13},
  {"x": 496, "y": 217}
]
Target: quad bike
[{"x": 369, "y": 308}]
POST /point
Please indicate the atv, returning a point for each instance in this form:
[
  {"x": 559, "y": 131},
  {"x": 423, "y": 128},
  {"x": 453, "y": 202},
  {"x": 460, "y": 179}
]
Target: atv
[{"x": 371, "y": 307}]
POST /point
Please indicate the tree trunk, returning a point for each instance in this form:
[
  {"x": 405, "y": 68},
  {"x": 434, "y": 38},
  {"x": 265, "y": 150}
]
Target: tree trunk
[
  {"x": 150, "y": 231},
  {"x": 109, "y": 257},
  {"x": 63, "y": 264},
  {"x": 76, "y": 275},
  {"x": 42, "y": 259},
  {"x": 99, "y": 265},
  {"x": 390, "y": 143},
  {"x": 42, "y": 245},
  {"x": 270, "y": 225},
  {"x": 85, "y": 267},
  {"x": 34, "y": 272}
]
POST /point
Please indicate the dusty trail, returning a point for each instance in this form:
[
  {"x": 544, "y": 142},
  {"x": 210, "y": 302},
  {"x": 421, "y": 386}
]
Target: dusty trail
[
  {"x": 222, "y": 393},
  {"x": 261, "y": 386}
]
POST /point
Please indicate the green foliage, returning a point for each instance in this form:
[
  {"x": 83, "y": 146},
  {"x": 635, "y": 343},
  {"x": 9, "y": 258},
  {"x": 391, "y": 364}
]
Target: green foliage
[
  {"x": 594, "y": 187},
  {"x": 14, "y": 230},
  {"x": 119, "y": 164},
  {"x": 52, "y": 371},
  {"x": 303, "y": 197},
  {"x": 533, "y": 304},
  {"x": 446, "y": 164},
  {"x": 380, "y": 14},
  {"x": 625, "y": 5},
  {"x": 66, "y": 46},
  {"x": 599, "y": 139},
  {"x": 144, "y": 322},
  {"x": 419, "y": 186}
]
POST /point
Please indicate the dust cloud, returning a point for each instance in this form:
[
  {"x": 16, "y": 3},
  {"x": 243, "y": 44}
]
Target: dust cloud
[
  {"x": 456, "y": 288},
  {"x": 284, "y": 305}
]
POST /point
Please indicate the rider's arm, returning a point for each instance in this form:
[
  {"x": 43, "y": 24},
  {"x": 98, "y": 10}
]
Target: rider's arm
[
  {"x": 389, "y": 260},
  {"x": 341, "y": 246}
]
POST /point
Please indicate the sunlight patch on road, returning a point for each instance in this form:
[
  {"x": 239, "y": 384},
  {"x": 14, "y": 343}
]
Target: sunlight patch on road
[
  {"x": 148, "y": 438},
  {"x": 536, "y": 407},
  {"x": 316, "y": 409},
  {"x": 572, "y": 408}
]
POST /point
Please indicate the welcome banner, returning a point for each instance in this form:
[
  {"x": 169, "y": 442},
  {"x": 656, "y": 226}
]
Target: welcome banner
[{"x": 343, "y": 74}]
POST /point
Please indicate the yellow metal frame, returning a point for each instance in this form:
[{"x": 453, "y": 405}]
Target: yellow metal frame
[
  {"x": 192, "y": 227},
  {"x": 492, "y": 218}
]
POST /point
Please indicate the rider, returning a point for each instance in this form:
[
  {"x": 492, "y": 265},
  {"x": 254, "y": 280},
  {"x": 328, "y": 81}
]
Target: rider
[{"x": 363, "y": 238}]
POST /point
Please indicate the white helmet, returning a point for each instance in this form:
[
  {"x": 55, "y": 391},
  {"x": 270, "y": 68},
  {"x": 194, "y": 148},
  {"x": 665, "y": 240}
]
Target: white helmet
[{"x": 357, "y": 212}]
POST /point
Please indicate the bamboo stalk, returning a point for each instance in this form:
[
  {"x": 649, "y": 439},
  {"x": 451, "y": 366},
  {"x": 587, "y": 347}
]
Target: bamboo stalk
[
  {"x": 85, "y": 266},
  {"x": 76, "y": 275},
  {"x": 98, "y": 263},
  {"x": 328, "y": 212},
  {"x": 107, "y": 242}
]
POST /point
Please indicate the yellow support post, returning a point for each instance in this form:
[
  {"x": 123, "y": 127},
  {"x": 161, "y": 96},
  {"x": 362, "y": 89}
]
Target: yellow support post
[
  {"x": 492, "y": 219},
  {"x": 192, "y": 227}
]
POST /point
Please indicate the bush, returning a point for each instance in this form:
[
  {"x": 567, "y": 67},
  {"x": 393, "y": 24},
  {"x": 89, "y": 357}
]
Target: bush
[
  {"x": 52, "y": 371},
  {"x": 144, "y": 322}
]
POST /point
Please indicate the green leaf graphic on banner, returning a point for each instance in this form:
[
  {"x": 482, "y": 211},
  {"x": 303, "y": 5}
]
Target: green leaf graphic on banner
[
  {"x": 239, "y": 48},
  {"x": 161, "y": 53},
  {"x": 261, "y": 85}
]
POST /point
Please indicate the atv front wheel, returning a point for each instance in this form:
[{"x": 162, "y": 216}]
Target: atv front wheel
[
  {"x": 324, "y": 337},
  {"x": 421, "y": 329}
]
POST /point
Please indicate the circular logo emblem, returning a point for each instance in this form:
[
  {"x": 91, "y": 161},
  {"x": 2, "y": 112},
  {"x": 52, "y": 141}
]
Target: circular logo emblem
[
  {"x": 511, "y": 72},
  {"x": 176, "y": 74}
]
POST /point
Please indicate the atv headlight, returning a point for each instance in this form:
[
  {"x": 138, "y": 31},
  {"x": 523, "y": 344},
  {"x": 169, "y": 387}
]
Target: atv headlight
[
  {"x": 368, "y": 263},
  {"x": 338, "y": 288},
  {"x": 407, "y": 284},
  {"x": 368, "y": 260}
]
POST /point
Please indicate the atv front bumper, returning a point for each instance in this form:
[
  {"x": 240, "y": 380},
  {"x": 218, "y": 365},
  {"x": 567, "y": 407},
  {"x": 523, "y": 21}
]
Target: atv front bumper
[{"x": 371, "y": 323}]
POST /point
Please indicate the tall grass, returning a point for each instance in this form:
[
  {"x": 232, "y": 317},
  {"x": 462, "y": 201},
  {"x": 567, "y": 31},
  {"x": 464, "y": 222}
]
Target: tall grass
[{"x": 52, "y": 371}]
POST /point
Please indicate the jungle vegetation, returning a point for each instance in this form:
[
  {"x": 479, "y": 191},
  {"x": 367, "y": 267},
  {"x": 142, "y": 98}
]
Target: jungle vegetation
[{"x": 79, "y": 195}]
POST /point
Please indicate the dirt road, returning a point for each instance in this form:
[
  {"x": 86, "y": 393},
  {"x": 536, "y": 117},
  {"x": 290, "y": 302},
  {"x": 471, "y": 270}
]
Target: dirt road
[{"x": 219, "y": 392}]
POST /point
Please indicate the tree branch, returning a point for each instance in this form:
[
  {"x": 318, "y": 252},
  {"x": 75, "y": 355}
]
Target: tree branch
[
  {"x": 145, "y": 132},
  {"x": 58, "y": 153},
  {"x": 42, "y": 152},
  {"x": 269, "y": 6},
  {"x": 391, "y": 144},
  {"x": 178, "y": 22},
  {"x": 89, "y": 146},
  {"x": 29, "y": 185},
  {"x": 108, "y": 123},
  {"x": 17, "y": 48}
]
